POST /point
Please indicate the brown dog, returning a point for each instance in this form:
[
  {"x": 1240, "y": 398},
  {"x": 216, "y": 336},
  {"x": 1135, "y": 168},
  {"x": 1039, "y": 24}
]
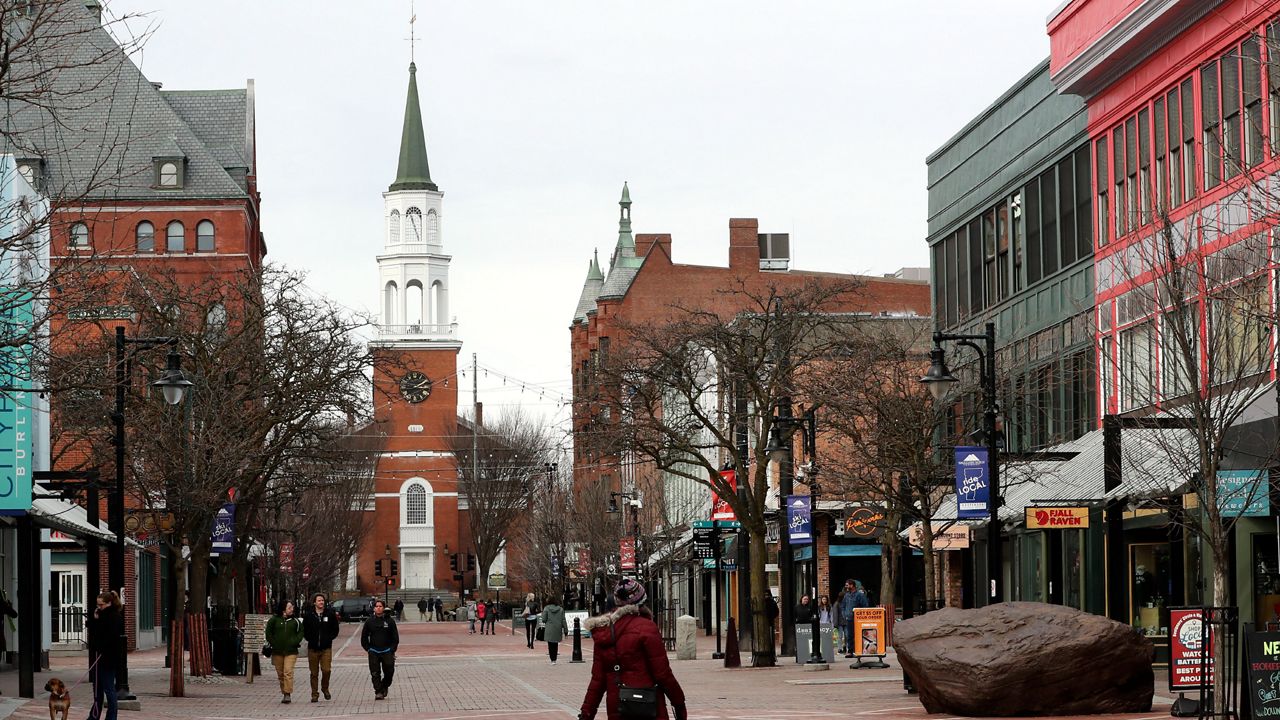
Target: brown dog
[{"x": 59, "y": 698}]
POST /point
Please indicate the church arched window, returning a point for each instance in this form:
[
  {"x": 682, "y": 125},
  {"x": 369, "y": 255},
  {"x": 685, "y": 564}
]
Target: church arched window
[
  {"x": 416, "y": 501},
  {"x": 413, "y": 303},
  {"x": 393, "y": 226},
  {"x": 391, "y": 296},
  {"x": 433, "y": 226},
  {"x": 414, "y": 216},
  {"x": 437, "y": 303}
]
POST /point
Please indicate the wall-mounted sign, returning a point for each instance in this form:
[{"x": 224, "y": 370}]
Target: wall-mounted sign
[
  {"x": 1057, "y": 518},
  {"x": 1244, "y": 493},
  {"x": 973, "y": 482},
  {"x": 16, "y": 406},
  {"x": 955, "y": 537},
  {"x": 864, "y": 523}
]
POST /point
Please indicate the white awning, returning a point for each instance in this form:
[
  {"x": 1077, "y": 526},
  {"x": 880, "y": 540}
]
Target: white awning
[{"x": 59, "y": 514}]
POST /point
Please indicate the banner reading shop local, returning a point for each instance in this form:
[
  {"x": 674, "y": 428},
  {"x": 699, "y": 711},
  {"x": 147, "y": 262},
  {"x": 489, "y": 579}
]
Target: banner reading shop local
[
  {"x": 1243, "y": 493},
  {"x": 973, "y": 482},
  {"x": 800, "y": 519},
  {"x": 15, "y": 408},
  {"x": 224, "y": 530}
]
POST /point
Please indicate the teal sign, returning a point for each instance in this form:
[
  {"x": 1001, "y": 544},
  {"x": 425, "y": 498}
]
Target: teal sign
[
  {"x": 15, "y": 405},
  {"x": 1244, "y": 493}
]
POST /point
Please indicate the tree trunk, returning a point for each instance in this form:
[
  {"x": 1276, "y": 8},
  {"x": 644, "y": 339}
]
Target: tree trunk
[
  {"x": 762, "y": 649},
  {"x": 179, "y": 602},
  {"x": 891, "y": 551},
  {"x": 198, "y": 569},
  {"x": 926, "y": 548}
]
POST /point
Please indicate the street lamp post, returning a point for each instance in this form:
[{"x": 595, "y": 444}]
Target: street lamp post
[
  {"x": 779, "y": 443},
  {"x": 634, "y": 501},
  {"x": 939, "y": 380},
  {"x": 173, "y": 385}
]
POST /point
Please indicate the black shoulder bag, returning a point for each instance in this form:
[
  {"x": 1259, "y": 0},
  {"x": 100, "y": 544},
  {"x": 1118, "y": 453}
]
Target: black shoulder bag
[{"x": 634, "y": 703}]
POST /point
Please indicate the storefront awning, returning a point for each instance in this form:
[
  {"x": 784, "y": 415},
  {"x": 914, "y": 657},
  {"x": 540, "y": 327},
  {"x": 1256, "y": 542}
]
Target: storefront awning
[{"x": 59, "y": 514}]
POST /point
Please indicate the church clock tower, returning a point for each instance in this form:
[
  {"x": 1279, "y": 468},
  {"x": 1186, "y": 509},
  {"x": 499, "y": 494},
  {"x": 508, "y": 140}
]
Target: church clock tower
[{"x": 415, "y": 383}]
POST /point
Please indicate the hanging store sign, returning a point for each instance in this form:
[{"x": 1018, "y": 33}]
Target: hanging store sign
[
  {"x": 864, "y": 523},
  {"x": 800, "y": 519},
  {"x": 720, "y": 509},
  {"x": 1057, "y": 518},
  {"x": 955, "y": 537},
  {"x": 973, "y": 482},
  {"x": 1244, "y": 493}
]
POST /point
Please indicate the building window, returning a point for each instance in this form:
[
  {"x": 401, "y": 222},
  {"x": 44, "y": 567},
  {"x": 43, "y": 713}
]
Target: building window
[
  {"x": 1143, "y": 184},
  {"x": 1137, "y": 366},
  {"x": 1034, "y": 266},
  {"x": 146, "y": 237},
  {"x": 393, "y": 226},
  {"x": 175, "y": 237},
  {"x": 1117, "y": 178},
  {"x": 1103, "y": 212},
  {"x": 1273, "y": 83},
  {"x": 79, "y": 235},
  {"x": 1179, "y": 350},
  {"x": 417, "y": 509},
  {"x": 1211, "y": 121},
  {"x": 414, "y": 216},
  {"x": 433, "y": 226},
  {"x": 1083, "y": 219},
  {"x": 390, "y": 298},
  {"x": 169, "y": 172},
  {"x": 146, "y": 591},
  {"x": 1190, "y": 151},
  {"x": 204, "y": 236},
  {"x": 1251, "y": 87}
]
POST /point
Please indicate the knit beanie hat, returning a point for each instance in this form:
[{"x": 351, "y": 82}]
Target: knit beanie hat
[{"x": 629, "y": 592}]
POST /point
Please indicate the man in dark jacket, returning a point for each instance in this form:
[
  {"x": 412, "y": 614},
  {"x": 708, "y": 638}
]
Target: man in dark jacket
[
  {"x": 399, "y": 607},
  {"x": 439, "y": 610},
  {"x": 380, "y": 638},
  {"x": 422, "y": 609},
  {"x": 320, "y": 627}
]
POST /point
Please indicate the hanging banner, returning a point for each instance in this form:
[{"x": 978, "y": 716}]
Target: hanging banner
[
  {"x": 286, "y": 557},
  {"x": 1057, "y": 518},
  {"x": 1186, "y": 648},
  {"x": 720, "y": 509},
  {"x": 868, "y": 631},
  {"x": 973, "y": 482},
  {"x": 15, "y": 405},
  {"x": 800, "y": 519},
  {"x": 1244, "y": 493},
  {"x": 224, "y": 530},
  {"x": 584, "y": 562},
  {"x": 627, "y": 549}
]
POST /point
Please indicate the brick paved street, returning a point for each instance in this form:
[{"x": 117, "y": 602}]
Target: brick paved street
[{"x": 442, "y": 672}]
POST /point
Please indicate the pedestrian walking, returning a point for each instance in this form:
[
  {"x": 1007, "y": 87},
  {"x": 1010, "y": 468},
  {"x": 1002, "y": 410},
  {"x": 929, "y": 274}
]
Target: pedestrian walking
[
  {"x": 846, "y": 617},
  {"x": 471, "y": 617},
  {"x": 399, "y": 607},
  {"x": 482, "y": 614},
  {"x": 628, "y": 652},
  {"x": 804, "y": 611},
  {"x": 771, "y": 611},
  {"x": 320, "y": 626},
  {"x": 284, "y": 635},
  {"x": 491, "y": 616},
  {"x": 379, "y": 637},
  {"x": 552, "y": 628},
  {"x": 106, "y": 644},
  {"x": 531, "y": 611},
  {"x": 824, "y": 610},
  {"x": 422, "y": 609},
  {"x": 439, "y": 610}
]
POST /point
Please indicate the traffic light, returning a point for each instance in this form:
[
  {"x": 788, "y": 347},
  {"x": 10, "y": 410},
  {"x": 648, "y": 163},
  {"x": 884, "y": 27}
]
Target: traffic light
[
  {"x": 471, "y": 562},
  {"x": 377, "y": 568},
  {"x": 395, "y": 568},
  {"x": 391, "y": 582},
  {"x": 453, "y": 562}
]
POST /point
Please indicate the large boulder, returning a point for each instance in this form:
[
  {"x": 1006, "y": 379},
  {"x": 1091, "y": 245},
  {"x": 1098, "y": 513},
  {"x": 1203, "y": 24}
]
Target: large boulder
[{"x": 1025, "y": 658}]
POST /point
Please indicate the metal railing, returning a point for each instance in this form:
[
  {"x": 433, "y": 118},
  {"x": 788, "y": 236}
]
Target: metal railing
[
  {"x": 423, "y": 329},
  {"x": 68, "y": 625}
]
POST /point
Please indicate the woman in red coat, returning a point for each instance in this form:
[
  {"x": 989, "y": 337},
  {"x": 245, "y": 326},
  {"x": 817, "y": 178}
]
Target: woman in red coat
[{"x": 629, "y": 651}]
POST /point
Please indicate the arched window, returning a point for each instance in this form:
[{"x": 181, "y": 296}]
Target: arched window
[
  {"x": 390, "y": 297},
  {"x": 79, "y": 235},
  {"x": 204, "y": 236},
  {"x": 175, "y": 237},
  {"x": 433, "y": 226},
  {"x": 146, "y": 236},
  {"x": 393, "y": 225},
  {"x": 415, "y": 505},
  {"x": 216, "y": 317},
  {"x": 413, "y": 303},
  {"x": 168, "y": 175},
  {"x": 437, "y": 303},
  {"x": 414, "y": 216}
]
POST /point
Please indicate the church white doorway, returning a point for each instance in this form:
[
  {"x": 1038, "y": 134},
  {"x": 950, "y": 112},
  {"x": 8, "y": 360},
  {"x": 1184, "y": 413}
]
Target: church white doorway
[{"x": 417, "y": 569}]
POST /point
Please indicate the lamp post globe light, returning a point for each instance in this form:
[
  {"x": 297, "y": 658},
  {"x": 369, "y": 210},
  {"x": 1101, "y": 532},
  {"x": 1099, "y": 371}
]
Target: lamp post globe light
[
  {"x": 939, "y": 380},
  {"x": 173, "y": 386},
  {"x": 779, "y": 445}
]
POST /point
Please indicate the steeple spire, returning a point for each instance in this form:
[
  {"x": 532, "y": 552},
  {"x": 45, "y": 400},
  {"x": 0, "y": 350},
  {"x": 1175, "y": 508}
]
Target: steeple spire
[
  {"x": 413, "y": 172},
  {"x": 624, "y": 220},
  {"x": 593, "y": 270}
]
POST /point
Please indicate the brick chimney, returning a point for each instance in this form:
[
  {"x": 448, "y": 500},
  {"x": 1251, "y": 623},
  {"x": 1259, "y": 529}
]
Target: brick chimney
[
  {"x": 479, "y": 415},
  {"x": 744, "y": 244}
]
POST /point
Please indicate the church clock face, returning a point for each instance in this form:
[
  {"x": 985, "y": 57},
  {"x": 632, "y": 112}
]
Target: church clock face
[{"x": 415, "y": 387}]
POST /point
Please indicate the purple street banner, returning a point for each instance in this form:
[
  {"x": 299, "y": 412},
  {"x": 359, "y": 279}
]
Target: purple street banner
[
  {"x": 800, "y": 519},
  {"x": 224, "y": 530},
  {"x": 973, "y": 482}
]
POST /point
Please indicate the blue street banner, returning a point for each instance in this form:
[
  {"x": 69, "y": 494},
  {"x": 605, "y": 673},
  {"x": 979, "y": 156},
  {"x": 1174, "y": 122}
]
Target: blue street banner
[
  {"x": 973, "y": 482},
  {"x": 1243, "y": 493},
  {"x": 800, "y": 519},
  {"x": 224, "y": 530},
  {"x": 16, "y": 318}
]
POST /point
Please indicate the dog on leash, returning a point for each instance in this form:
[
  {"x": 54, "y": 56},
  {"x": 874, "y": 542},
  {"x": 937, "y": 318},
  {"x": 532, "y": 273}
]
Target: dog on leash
[{"x": 59, "y": 698}]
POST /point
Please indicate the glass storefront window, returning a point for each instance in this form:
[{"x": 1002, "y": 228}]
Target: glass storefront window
[
  {"x": 1149, "y": 591},
  {"x": 1032, "y": 585},
  {"x": 1072, "y": 570},
  {"x": 1266, "y": 580}
]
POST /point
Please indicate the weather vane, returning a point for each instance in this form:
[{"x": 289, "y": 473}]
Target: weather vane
[{"x": 413, "y": 18}]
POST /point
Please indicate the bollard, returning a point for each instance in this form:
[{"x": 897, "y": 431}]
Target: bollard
[{"x": 577, "y": 640}]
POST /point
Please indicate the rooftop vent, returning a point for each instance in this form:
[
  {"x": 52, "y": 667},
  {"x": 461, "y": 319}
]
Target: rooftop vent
[{"x": 775, "y": 251}]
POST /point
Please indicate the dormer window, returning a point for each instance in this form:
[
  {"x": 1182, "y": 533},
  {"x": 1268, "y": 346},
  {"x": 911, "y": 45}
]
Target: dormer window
[
  {"x": 32, "y": 170},
  {"x": 170, "y": 172}
]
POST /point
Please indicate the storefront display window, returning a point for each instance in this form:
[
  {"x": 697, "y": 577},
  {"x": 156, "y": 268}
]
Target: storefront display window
[
  {"x": 1031, "y": 583},
  {"x": 1266, "y": 580},
  {"x": 1072, "y": 569},
  {"x": 1149, "y": 586}
]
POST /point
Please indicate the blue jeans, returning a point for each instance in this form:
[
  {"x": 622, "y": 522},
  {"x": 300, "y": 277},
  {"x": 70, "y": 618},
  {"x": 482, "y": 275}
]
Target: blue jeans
[{"x": 104, "y": 694}]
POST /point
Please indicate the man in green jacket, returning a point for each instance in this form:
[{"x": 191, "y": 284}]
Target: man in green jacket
[{"x": 380, "y": 638}]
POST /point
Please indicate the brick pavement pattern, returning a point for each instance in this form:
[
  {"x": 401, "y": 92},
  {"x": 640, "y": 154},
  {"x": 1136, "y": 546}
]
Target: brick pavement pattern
[{"x": 442, "y": 673}]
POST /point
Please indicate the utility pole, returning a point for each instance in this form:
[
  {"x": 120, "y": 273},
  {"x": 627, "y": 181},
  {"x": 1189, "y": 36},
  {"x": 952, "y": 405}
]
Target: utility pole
[{"x": 475, "y": 448}]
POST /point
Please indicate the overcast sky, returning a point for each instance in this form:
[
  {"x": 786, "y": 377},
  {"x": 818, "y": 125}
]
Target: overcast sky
[{"x": 814, "y": 117}]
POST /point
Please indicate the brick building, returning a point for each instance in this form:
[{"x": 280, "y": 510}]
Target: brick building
[{"x": 645, "y": 286}]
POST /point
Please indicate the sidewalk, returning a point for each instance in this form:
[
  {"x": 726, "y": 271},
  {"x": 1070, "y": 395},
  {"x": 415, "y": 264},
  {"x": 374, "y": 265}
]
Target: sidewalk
[{"x": 443, "y": 672}]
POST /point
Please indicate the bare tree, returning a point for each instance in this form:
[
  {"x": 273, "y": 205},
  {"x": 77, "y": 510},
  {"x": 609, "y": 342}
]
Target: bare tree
[
  {"x": 698, "y": 393},
  {"x": 501, "y": 467}
]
